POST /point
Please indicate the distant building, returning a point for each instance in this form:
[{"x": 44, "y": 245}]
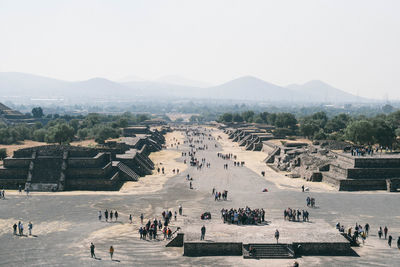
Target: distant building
[{"x": 8, "y": 115}]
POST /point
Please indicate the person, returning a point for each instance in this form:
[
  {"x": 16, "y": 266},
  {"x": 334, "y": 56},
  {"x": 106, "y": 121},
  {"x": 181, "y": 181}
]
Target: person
[
  {"x": 363, "y": 236},
  {"x": 175, "y": 213},
  {"x": 130, "y": 218},
  {"x": 366, "y": 227},
  {"x": 385, "y": 231},
  {"x": 99, "y": 215},
  {"x": 398, "y": 243},
  {"x": 203, "y": 232},
  {"x": 390, "y": 241},
  {"x": 92, "y": 251},
  {"x": 106, "y": 215},
  {"x": 302, "y": 188},
  {"x": 380, "y": 232},
  {"x": 30, "y": 226},
  {"x": 15, "y": 228},
  {"x": 190, "y": 185},
  {"x": 21, "y": 228},
  {"x": 141, "y": 218},
  {"x": 111, "y": 252},
  {"x": 20, "y": 189},
  {"x": 277, "y": 235},
  {"x": 180, "y": 210},
  {"x": 111, "y": 215},
  {"x": 116, "y": 215}
]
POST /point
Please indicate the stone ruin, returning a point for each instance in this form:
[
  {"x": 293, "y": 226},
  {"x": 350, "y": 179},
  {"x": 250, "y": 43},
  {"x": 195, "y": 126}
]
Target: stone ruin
[
  {"x": 64, "y": 167},
  {"x": 8, "y": 115},
  {"x": 318, "y": 162},
  {"x": 251, "y": 138}
]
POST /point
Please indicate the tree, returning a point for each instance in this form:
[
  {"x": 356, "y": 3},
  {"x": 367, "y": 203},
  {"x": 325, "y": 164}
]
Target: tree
[
  {"x": 337, "y": 123},
  {"x": 360, "y": 132},
  {"x": 248, "y": 116},
  {"x": 320, "y": 135},
  {"x": 83, "y": 133},
  {"x": 60, "y": 133},
  {"x": 105, "y": 132},
  {"x": 37, "y": 112},
  {"x": 237, "y": 118},
  {"x": 320, "y": 118},
  {"x": 74, "y": 124},
  {"x": 387, "y": 108},
  {"x": 308, "y": 129},
  {"x": 226, "y": 117},
  {"x": 39, "y": 135},
  {"x": 3, "y": 153},
  {"x": 285, "y": 120},
  {"x": 384, "y": 135}
]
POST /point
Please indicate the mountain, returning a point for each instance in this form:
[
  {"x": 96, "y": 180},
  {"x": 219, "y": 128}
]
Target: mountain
[
  {"x": 14, "y": 86},
  {"x": 251, "y": 88},
  {"x": 22, "y": 85},
  {"x": 323, "y": 92},
  {"x": 100, "y": 87}
]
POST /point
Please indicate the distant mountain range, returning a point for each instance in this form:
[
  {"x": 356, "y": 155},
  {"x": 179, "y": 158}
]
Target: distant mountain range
[{"x": 247, "y": 88}]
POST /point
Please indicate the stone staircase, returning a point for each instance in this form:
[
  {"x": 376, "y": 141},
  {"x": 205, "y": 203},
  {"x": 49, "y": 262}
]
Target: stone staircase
[
  {"x": 244, "y": 140},
  {"x": 128, "y": 171},
  {"x": 63, "y": 174},
  {"x": 271, "y": 156},
  {"x": 268, "y": 251}
]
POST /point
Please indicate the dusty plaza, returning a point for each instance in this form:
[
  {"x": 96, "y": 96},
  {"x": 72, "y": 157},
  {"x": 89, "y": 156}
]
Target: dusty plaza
[{"x": 66, "y": 223}]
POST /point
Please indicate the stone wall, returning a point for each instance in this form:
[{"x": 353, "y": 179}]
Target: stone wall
[
  {"x": 16, "y": 163},
  {"x": 195, "y": 249},
  {"x": 89, "y": 172},
  {"x": 99, "y": 160},
  {"x": 377, "y": 162},
  {"x": 322, "y": 249},
  {"x": 373, "y": 173},
  {"x": 362, "y": 184}
]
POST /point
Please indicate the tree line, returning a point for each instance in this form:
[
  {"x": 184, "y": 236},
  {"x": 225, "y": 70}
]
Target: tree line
[
  {"x": 67, "y": 128},
  {"x": 381, "y": 129}
]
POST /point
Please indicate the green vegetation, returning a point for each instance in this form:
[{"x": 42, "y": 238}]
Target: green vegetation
[
  {"x": 64, "y": 129},
  {"x": 3, "y": 153},
  {"x": 381, "y": 129}
]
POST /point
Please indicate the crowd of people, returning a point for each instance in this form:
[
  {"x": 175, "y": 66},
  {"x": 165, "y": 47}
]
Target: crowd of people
[
  {"x": 226, "y": 156},
  {"x": 363, "y": 233},
  {"x": 310, "y": 202},
  {"x": 368, "y": 150},
  {"x": 294, "y": 215},
  {"x": 243, "y": 216},
  {"x": 20, "y": 228},
  {"x": 108, "y": 215},
  {"x": 218, "y": 195}
]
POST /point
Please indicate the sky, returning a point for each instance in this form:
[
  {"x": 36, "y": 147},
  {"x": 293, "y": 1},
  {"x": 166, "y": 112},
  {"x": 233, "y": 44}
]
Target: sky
[{"x": 352, "y": 45}]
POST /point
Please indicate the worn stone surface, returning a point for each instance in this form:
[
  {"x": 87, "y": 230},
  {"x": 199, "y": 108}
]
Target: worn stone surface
[{"x": 66, "y": 224}]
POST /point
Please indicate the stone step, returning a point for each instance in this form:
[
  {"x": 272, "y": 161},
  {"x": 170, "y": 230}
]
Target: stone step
[{"x": 268, "y": 251}]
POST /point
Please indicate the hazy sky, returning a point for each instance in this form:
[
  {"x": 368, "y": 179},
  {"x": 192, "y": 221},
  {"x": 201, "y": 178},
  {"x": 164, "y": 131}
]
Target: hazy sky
[{"x": 353, "y": 45}]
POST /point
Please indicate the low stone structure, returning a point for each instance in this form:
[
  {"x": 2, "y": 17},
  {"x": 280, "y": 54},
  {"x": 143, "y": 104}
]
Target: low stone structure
[
  {"x": 8, "y": 115},
  {"x": 63, "y": 167},
  {"x": 251, "y": 137},
  {"x": 345, "y": 172},
  {"x": 268, "y": 250}
]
